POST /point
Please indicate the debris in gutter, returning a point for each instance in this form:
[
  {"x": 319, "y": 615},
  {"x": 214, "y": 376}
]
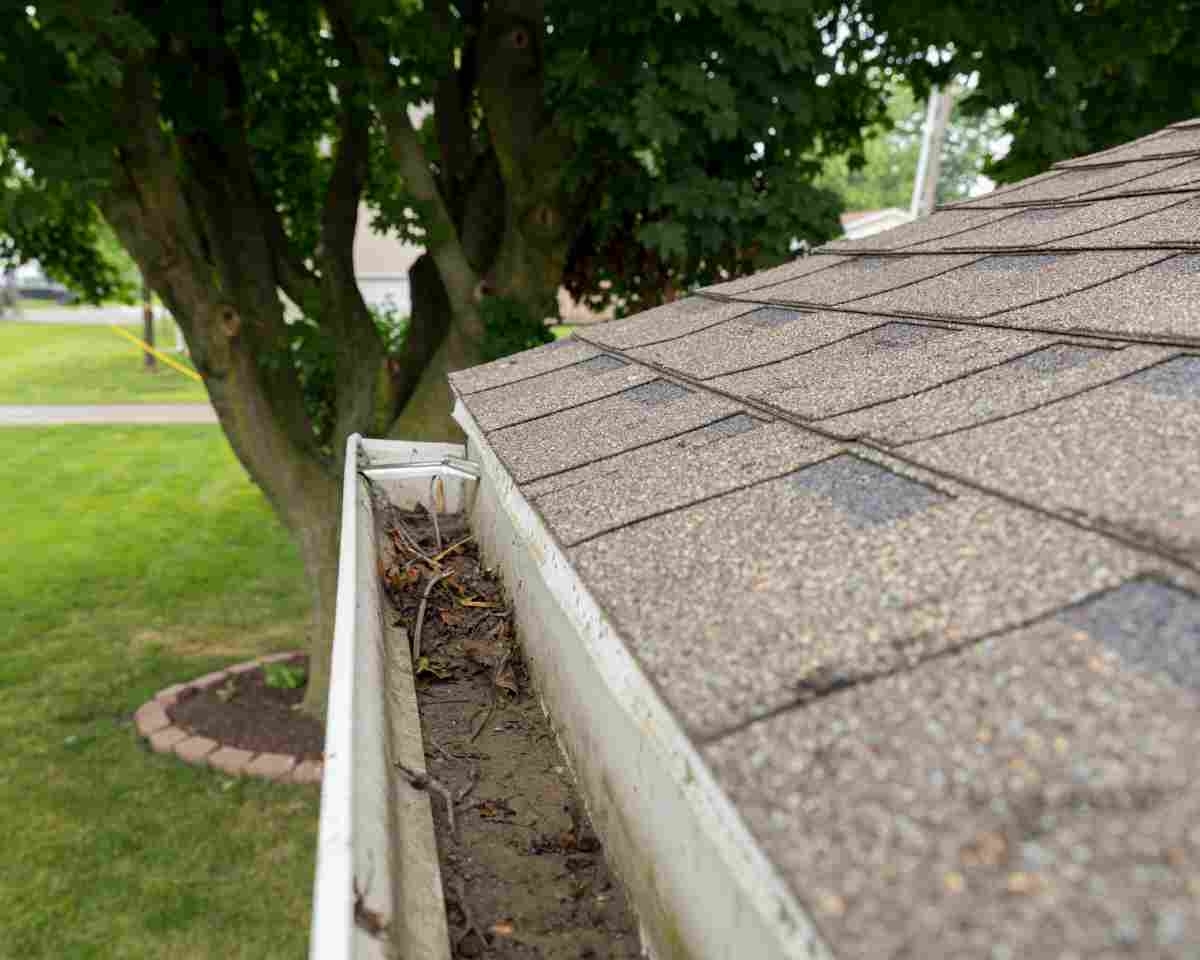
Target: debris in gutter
[{"x": 523, "y": 871}]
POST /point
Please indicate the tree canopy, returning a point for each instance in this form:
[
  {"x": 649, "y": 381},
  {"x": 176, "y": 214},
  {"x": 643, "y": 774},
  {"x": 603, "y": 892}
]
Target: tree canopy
[{"x": 1079, "y": 75}]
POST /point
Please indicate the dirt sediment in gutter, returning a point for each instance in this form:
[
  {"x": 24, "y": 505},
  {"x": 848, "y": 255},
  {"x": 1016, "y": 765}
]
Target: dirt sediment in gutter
[{"x": 524, "y": 874}]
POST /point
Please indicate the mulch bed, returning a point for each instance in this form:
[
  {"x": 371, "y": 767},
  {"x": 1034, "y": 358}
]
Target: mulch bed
[
  {"x": 248, "y": 714},
  {"x": 523, "y": 872}
]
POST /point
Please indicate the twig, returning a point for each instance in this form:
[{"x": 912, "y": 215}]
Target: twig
[
  {"x": 486, "y": 719},
  {"x": 401, "y": 528},
  {"x": 371, "y": 921},
  {"x": 471, "y": 784},
  {"x": 421, "y": 613},
  {"x": 426, "y": 782},
  {"x": 437, "y": 531},
  {"x": 454, "y": 546},
  {"x": 472, "y": 927}
]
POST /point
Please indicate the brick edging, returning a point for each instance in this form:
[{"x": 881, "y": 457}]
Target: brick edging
[{"x": 153, "y": 723}]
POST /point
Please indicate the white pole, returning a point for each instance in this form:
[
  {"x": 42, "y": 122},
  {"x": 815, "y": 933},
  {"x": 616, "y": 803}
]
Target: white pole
[{"x": 929, "y": 164}]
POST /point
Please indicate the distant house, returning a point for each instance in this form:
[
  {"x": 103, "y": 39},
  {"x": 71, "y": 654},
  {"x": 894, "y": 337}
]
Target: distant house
[
  {"x": 381, "y": 264},
  {"x": 865, "y": 223}
]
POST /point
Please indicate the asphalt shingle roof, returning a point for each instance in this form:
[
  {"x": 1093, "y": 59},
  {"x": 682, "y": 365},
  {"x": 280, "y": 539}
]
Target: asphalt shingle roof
[{"x": 907, "y": 534}]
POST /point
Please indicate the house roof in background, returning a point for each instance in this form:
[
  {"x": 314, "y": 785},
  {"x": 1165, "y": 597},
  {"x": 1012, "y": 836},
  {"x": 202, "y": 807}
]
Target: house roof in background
[{"x": 907, "y": 535}]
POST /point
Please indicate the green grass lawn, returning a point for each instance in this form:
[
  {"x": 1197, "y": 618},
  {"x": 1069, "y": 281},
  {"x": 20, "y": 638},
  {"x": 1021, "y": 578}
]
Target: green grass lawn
[
  {"x": 134, "y": 558},
  {"x": 46, "y": 363}
]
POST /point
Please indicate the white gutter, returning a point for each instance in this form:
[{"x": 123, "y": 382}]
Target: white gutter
[
  {"x": 698, "y": 880},
  {"x": 377, "y": 891}
]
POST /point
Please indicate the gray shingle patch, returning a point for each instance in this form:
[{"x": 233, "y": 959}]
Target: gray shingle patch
[
  {"x": 1185, "y": 263},
  {"x": 868, "y": 493},
  {"x": 1058, "y": 357},
  {"x": 656, "y": 392},
  {"x": 896, "y": 335},
  {"x": 732, "y": 426},
  {"x": 1152, "y": 625},
  {"x": 1175, "y": 378},
  {"x": 1027, "y": 263},
  {"x": 602, "y": 364},
  {"x": 773, "y": 316}
]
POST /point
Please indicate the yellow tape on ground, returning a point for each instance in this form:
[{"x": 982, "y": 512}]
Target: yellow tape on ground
[{"x": 186, "y": 371}]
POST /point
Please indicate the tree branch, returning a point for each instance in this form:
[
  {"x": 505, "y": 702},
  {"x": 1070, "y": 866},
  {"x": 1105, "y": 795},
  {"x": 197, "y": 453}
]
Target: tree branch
[
  {"x": 442, "y": 239},
  {"x": 452, "y": 97}
]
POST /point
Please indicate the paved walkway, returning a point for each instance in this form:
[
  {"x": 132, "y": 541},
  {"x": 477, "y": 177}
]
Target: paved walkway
[
  {"x": 88, "y": 315},
  {"x": 116, "y": 413}
]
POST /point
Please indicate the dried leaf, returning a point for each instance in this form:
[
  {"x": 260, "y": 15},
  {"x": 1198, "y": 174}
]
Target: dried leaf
[
  {"x": 506, "y": 679},
  {"x": 503, "y": 928},
  {"x": 483, "y": 650}
]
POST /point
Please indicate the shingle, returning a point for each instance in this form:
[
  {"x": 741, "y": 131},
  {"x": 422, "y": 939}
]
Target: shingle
[
  {"x": 860, "y": 276},
  {"x": 1178, "y": 176},
  {"x": 531, "y": 363},
  {"x": 1124, "y": 457},
  {"x": 865, "y": 492},
  {"x": 603, "y": 428},
  {"x": 1006, "y": 281},
  {"x": 1026, "y": 798},
  {"x": 889, "y": 361},
  {"x": 748, "y": 340},
  {"x": 1055, "y": 225},
  {"x": 714, "y": 459},
  {"x": 663, "y": 323},
  {"x": 941, "y": 225},
  {"x": 1069, "y": 184},
  {"x": 750, "y": 601},
  {"x": 1002, "y": 391},
  {"x": 792, "y": 270},
  {"x": 1162, "y": 300},
  {"x": 1163, "y": 143},
  {"x": 1151, "y": 625},
  {"x": 556, "y": 390},
  {"x": 996, "y": 195},
  {"x": 1176, "y": 225}
]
